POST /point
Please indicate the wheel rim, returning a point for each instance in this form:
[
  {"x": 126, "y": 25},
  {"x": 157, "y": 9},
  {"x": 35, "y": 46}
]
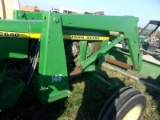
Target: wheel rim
[{"x": 133, "y": 114}]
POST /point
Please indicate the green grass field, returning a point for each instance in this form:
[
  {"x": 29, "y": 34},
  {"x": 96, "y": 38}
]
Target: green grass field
[{"x": 84, "y": 104}]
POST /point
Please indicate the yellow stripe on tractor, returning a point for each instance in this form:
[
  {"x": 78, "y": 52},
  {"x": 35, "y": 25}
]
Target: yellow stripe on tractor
[
  {"x": 81, "y": 37},
  {"x": 37, "y": 36}
]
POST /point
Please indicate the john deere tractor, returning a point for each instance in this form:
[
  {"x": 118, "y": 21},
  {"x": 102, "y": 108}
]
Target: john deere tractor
[{"x": 42, "y": 51}]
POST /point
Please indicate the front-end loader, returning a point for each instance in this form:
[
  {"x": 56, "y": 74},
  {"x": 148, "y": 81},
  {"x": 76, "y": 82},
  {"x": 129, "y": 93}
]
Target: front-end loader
[{"x": 42, "y": 51}]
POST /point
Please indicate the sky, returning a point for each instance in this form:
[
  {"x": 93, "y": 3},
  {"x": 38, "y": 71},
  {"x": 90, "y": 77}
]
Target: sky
[{"x": 145, "y": 10}]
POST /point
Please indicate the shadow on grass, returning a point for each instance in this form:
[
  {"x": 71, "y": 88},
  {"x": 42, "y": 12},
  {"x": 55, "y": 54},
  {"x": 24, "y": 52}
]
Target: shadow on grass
[
  {"x": 156, "y": 98},
  {"x": 29, "y": 108},
  {"x": 94, "y": 98},
  {"x": 152, "y": 95},
  {"x": 152, "y": 92}
]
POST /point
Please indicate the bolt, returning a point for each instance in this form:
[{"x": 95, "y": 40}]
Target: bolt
[
  {"x": 56, "y": 20},
  {"x": 47, "y": 88},
  {"x": 19, "y": 14}
]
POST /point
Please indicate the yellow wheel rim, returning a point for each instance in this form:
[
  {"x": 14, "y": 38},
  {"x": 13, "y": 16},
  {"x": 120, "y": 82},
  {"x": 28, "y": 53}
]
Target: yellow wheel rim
[{"x": 133, "y": 114}]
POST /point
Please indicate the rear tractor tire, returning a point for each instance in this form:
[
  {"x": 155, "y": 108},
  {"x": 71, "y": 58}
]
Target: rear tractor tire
[{"x": 126, "y": 104}]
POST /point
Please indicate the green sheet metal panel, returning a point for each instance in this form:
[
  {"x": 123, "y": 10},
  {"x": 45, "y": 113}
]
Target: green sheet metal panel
[
  {"x": 52, "y": 52},
  {"x": 10, "y": 92},
  {"x": 21, "y": 26},
  {"x": 14, "y": 37},
  {"x": 13, "y": 48},
  {"x": 52, "y": 62},
  {"x": 49, "y": 89},
  {"x": 24, "y": 15}
]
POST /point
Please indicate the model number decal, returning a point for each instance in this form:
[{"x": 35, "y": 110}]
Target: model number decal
[
  {"x": 9, "y": 34},
  {"x": 57, "y": 78},
  {"x": 19, "y": 34},
  {"x": 37, "y": 35}
]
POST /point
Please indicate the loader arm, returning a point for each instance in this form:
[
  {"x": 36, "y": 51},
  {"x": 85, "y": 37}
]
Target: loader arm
[{"x": 69, "y": 45}]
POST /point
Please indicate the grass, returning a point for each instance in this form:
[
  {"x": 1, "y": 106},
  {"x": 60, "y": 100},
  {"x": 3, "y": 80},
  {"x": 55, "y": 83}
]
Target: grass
[
  {"x": 84, "y": 104},
  {"x": 152, "y": 111}
]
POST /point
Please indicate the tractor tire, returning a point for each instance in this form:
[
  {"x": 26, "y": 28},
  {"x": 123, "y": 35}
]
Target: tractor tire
[{"x": 126, "y": 104}]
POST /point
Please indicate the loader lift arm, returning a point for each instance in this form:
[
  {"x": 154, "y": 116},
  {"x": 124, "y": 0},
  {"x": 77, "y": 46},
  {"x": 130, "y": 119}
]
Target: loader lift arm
[
  {"x": 67, "y": 43},
  {"x": 126, "y": 25}
]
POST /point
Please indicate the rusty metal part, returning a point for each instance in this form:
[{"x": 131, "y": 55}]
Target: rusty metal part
[
  {"x": 75, "y": 72},
  {"x": 4, "y": 9},
  {"x": 118, "y": 63}
]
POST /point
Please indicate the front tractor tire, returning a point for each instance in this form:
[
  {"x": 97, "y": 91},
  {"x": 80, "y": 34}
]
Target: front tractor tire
[{"x": 126, "y": 104}]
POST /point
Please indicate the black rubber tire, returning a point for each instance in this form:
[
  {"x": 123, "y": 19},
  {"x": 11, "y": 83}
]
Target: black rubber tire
[
  {"x": 121, "y": 102},
  {"x": 110, "y": 100}
]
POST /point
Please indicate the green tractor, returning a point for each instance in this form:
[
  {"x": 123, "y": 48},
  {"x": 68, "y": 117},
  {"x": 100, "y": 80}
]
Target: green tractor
[
  {"x": 148, "y": 44},
  {"x": 42, "y": 51}
]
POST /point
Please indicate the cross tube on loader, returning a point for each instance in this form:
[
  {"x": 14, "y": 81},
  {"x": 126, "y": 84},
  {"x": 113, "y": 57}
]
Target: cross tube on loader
[{"x": 45, "y": 50}]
